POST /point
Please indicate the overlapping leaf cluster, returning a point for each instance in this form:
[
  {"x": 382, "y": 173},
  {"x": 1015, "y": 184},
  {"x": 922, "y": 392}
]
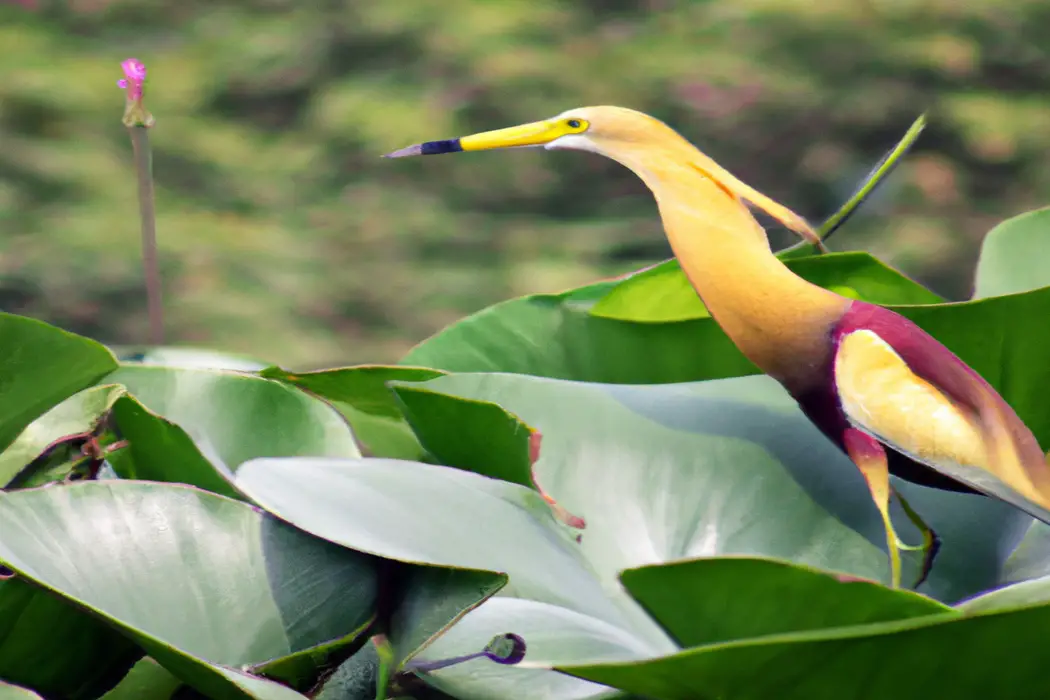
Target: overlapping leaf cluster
[{"x": 176, "y": 518}]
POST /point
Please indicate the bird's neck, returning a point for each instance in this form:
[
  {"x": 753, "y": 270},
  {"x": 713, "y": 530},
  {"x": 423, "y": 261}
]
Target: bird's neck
[{"x": 779, "y": 321}]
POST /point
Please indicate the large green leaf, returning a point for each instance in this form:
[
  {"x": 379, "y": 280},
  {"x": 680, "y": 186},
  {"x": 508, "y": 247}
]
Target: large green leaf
[
  {"x": 48, "y": 644},
  {"x": 128, "y": 552},
  {"x": 663, "y": 294},
  {"x": 426, "y": 514},
  {"x": 554, "y": 335},
  {"x": 362, "y": 396},
  {"x": 226, "y": 417},
  {"x": 707, "y": 601},
  {"x": 78, "y": 414},
  {"x": 1013, "y": 256},
  {"x": 557, "y": 336},
  {"x": 974, "y": 657},
  {"x": 40, "y": 366}
]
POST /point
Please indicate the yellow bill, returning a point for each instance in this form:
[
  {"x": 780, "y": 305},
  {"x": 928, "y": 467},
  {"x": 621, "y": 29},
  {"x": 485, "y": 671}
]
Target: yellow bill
[{"x": 523, "y": 136}]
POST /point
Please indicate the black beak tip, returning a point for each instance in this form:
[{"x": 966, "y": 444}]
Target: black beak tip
[{"x": 430, "y": 148}]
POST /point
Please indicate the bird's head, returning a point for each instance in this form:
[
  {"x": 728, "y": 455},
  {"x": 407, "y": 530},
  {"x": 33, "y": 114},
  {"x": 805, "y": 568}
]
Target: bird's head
[
  {"x": 605, "y": 130},
  {"x": 625, "y": 135}
]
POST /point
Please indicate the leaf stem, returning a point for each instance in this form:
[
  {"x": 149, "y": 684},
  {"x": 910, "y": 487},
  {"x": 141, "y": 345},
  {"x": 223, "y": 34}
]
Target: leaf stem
[
  {"x": 144, "y": 170},
  {"x": 875, "y": 178}
]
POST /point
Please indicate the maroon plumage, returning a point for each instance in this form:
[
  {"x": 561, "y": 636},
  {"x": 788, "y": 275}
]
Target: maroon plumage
[{"x": 928, "y": 359}]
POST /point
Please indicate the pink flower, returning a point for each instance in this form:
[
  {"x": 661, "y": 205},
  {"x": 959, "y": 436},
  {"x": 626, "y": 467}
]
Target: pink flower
[
  {"x": 135, "y": 113},
  {"x": 135, "y": 70}
]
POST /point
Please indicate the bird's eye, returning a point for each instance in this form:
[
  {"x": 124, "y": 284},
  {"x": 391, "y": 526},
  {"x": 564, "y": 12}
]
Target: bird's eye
[{"x": 573, "y": 123}]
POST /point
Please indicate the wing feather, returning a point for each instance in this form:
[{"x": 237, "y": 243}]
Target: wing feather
[{"x": 898, "y": 384}]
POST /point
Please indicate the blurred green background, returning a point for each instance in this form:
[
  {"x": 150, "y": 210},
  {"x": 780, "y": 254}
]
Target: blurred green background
[{"x": 284, "y": 235}]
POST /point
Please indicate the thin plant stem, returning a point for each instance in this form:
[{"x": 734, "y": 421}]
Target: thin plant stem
[
  {"x": 144, "y": 170},
  {"x": 875, "y": 178}
]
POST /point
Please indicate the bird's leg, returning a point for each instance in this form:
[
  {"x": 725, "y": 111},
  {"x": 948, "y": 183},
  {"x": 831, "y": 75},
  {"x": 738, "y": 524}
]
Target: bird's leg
[
  {"x": 931, "y": 543},
  {"x": 870, "y": 457}
]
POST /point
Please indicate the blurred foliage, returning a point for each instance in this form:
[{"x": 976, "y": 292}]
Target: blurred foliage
[{"x": 283, "y": 233}]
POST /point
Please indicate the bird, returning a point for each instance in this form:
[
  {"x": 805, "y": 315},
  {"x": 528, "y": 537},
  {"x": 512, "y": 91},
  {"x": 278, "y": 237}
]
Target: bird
[{"x": 893, "y": 398}]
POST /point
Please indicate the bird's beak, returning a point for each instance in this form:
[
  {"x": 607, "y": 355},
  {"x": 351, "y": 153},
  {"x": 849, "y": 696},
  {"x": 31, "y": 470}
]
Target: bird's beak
[{"x": 533, "y": 134}]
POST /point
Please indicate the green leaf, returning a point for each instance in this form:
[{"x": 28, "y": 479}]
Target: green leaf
[
  {"x": 486, "y": 439},
  {"x": 187, "y": 358},
  {"x": 230, "y": 417},
  {"x": 441, "y": 516},
  {"x": 551, "y": 335},
  {"x": 159, "y": 450},
  {"x": 944, "y": 656},
  {"x": 663, "y": 294},
  {"x": 555, "y": 335},
  {"x": 361, "y": 394},
  {"x": 13, "y": 692},
  {"x": 50, "y": 645},
  {"x": 431, "y": 601},
  {"x": 707, "y": 601},
  {"x": 78, "y": 414},
  {"x": 363, "y": 386},
  {"x": 1013, "y": 256},
  {"x": 202, "y": 583},
  {"x": 41, "y": 366},
  {"x": 147, "y": 680}
]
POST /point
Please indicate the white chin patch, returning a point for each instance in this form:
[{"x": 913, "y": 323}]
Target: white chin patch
[{"x": 575, "y": 142}]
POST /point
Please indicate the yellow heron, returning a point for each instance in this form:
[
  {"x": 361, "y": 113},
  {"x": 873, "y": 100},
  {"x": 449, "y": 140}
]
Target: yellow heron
[{"x": 892, "y": 397}]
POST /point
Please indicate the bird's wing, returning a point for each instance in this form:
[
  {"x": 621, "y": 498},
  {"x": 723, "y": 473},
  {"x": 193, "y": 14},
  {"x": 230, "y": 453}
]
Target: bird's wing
[{"x": 899, "y": 385}]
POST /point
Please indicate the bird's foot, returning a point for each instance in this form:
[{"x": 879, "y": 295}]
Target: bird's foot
[{"x": 931, "y": 543}]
